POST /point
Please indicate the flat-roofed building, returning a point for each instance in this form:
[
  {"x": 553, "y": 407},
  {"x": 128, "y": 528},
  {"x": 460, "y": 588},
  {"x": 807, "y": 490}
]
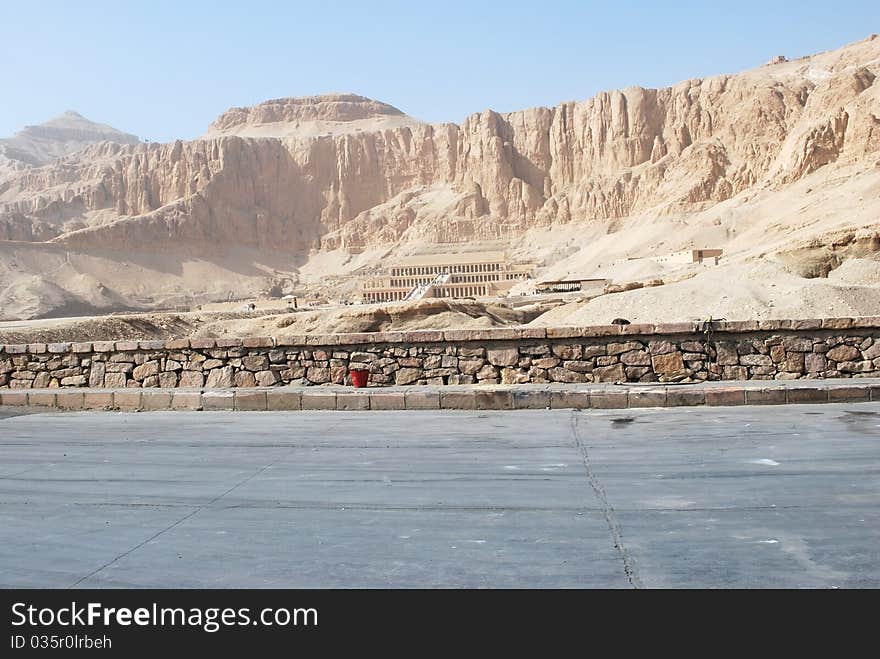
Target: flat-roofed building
[
  {"x": 469, "y": 274},
  {"x": 690, "y": 256},
  {"x": 591, "y": 286}
]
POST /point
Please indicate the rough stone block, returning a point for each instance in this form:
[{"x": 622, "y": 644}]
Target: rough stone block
[
  {"x": 387, "y": 337},
  {"x": 531, "y": 399},
  {"x": 638, "y": 397},
  {"x": 37, "y": 348},
  {"x": 218, "y": 400},
  {"x": 770, "y": 396},
  {"x": 407, "y": 375},
  {"x": 387, "y": 400},
  {"x": 81, "y": 347},
  {"x": 41, "y": 399},
  {"x": 684, "y": 396},
  {"x": 155, "y": 400},
  {"x": 319, "y": 400},
  {"x": 849, "y": 393},
  {"x": 423, "y": 336},
  {"x": 244, "y": 379},
  {"x": 502, "y": 356},
  {"x": 258, "y": 342},
  {"x": 146, "y": 370},
  {"x": 128, "y": 400},
  {"x": 638, "y": 358},
  {"x": 499, "y": 399},
  {"x": 808, "y": 395},
  {"x": 353, "y": 401},
  {"x": 167, "y": 380},
  {"x": 738, "y": 326},
  {"x": 530, "y": 332},
  {"x": 458, "y": 400},
  {"x": 97, "y": 400},
  {"x": 13, "y": 398},
  {"x": 186, "y": 400},
  {"x": 422, "y": 400},
  {"x": 281, "y": 400},
  {"x": 643, "y": 328},
  {"x": 567, "y": 351},
  {"x": 600, "y": 330},
  {"x": 661, "y": 347},
  {"x": 609, "y": 400},
  {"x": 569, "y": 400},
  {"x": 270, "y": 378},
  {"x": 228, "y": 342},
  {"x": 674, "y": 328},
  {"x": 220, "y": 378},
  {"x": 70, "y": 400},
  {"x": 613, "y": 373},
  {"x": 806, "y": 324},
  {"x": 255, "y": 362},
  {"x": 722, "y": 397},
  {"x": 619, "y": 348},
  {"x": 560, "y": 374},
  {"x": 837, "y": 323},
  {"x": 250, "y": 400},
  {"x": 292, "y": 340},
  {"x": 844, "y": 353},
  {"x": 774, "y": 325},
  {"x": 151, "y": 345},
  {"x": 96, "y": 374},
  {"x": 58, "y": 348},
  {"x": 114, "y": 380},
  {"x": 755, "y": 360},
  {"x": 564, "y": 332}
]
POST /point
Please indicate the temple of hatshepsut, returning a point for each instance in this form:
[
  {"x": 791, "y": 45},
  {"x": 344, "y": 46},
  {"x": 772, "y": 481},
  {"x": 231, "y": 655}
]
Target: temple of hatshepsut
[{"x": 474, "y": 274}]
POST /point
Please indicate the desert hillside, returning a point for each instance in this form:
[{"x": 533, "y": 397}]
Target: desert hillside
[
  {"x": 779, "y": 166},
  {"x": 39, "y": 145}
]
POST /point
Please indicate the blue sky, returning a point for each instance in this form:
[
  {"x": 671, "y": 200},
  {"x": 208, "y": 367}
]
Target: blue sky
[{"x": 164, "y": 70}]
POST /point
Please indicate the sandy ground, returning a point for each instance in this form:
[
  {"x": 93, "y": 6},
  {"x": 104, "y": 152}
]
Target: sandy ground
[
  {"x": 425, "y": 314},
  {"x": 736, "y": 292}
]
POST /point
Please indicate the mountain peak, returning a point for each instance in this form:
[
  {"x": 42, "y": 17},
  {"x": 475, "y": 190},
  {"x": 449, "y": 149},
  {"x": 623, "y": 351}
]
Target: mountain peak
[
  {"x": 68, "y": 132},
  {"x": 309, "y": 116}
]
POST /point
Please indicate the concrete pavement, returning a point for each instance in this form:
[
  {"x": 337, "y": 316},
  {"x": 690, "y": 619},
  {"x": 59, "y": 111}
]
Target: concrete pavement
[{"x": 687, "y": 497}]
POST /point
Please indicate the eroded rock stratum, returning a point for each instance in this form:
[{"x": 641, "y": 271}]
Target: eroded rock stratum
[{"x": 270, "y": 185}]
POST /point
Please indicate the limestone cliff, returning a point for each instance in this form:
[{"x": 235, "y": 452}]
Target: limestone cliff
[
  {"x": 342, "y": 170},
  {"x": 620, "y": 153},
  {"x": 39, "y": 145}
]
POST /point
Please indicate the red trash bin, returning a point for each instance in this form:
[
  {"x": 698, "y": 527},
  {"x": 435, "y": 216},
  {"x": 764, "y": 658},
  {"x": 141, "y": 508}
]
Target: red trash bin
[{"x": 359, "y": 377}]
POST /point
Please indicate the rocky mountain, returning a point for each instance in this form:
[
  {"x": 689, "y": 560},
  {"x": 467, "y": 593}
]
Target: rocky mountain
[
  {"x": 290, "y": 178},
  {"x": 35, "y": 146},
  {"x": 310, "y": 116}
]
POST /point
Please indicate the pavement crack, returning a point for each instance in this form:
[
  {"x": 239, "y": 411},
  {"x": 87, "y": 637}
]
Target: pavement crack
[{"x": 629, "y": 567}]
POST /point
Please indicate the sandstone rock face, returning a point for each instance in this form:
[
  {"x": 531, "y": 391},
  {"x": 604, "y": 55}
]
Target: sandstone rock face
[
  {"x": 292, "y": 175},
  {"x": 621, "y": 152},
  {"x": 327, "y": 114}
]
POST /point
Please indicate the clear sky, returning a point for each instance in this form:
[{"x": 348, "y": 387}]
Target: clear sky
[{"x": 165, "y": 69}]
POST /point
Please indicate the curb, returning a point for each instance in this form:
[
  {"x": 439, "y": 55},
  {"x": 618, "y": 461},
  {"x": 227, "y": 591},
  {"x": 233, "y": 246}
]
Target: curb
[{"x": 490, "y": 397}]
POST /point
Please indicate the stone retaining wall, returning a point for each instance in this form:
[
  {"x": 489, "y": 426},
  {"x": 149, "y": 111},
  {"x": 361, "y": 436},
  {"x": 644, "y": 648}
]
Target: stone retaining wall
[{"x": 765, "y": 350}]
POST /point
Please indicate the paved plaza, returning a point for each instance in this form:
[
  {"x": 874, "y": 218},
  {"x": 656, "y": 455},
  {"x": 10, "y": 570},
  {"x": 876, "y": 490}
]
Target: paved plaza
[{"x": 772, "y": 496}]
